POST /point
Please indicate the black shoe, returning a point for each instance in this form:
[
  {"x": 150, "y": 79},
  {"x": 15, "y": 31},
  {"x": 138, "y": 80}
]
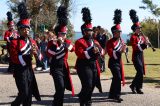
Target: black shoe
[
  {"x": 13, "y": 104},
  {"x": 132, "y": 89},
  {"x": 139, "y": 91},
  {"x": 82, "y": 104},
  {"x": 118, "y": 99},
  {"x": 89, "y": 103}
]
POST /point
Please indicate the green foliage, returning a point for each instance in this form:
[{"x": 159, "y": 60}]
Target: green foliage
[
  {"x": 154, "y": 9},
  {"x": 42, "y": 27},
  {"x": 42, "y": 12},
  {"x": 149, "y": 28},
  {"x": 3, "y": 28}
]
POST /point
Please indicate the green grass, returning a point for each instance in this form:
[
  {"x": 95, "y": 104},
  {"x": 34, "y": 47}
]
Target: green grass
[
  {"x": 152, "y": 61},
  {"x": 2, "y": 42}
]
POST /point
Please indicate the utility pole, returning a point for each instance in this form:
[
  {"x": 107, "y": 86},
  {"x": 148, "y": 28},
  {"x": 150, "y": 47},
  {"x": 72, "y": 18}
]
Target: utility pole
[
  {"x": 158, "y": 32},
  {"x": 157, "y": 22},
  {"x": 157, "y": 26}
]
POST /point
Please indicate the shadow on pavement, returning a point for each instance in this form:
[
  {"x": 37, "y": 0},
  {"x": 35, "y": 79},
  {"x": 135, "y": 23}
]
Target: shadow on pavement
[
  {"x": 5, "y": 104},
  {"x": 3, "y": 69},
  {"x": 96, "y": 98}
]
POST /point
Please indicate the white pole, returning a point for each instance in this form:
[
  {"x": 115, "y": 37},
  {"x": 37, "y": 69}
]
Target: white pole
[{"x": 158, "y": 32}]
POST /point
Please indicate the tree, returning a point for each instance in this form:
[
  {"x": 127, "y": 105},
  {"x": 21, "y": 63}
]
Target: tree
[
  {"x": 43, "y": 12},
  {"x": 155, "y": 10},
  {"x": 149, "y": 27}
]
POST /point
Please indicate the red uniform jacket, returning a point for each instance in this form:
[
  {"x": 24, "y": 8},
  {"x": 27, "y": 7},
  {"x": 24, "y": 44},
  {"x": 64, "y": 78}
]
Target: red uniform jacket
[
  {"x": 21, "y": 50},
  {"x": 53, "y": 50},
  {"x": 58, "y": 52},
  {"x": 9, "y": 35},
  {"x": 138, "y": 46},
  {"x": 114, "y": 47},
  {"x": 83, "y": 50}
]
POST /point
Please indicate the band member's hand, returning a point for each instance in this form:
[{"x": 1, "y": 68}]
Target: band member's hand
[
  {"x": 34, "y": 51},
  {"x": 124, "y": 48},
  {"x": 146, "y": 40},
  {"x": 60, "y": 41},
  {"x": 95, "y": 50},
  {"x": 15, "y": 37}
]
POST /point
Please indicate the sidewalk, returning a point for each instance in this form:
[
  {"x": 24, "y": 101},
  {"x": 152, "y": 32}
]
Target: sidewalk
[{"x": 8, "y": 91}]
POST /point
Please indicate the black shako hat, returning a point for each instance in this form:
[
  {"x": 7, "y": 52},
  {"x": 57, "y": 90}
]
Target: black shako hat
[
  {"x": 24, "y": 21},
  {"x": 135, "y": 20},
  {"x": 62, "y": 15},
  {"x": 86, "y": 16},
  {"x": 117, "y": 20},
  {"x": 9, "y": 18}
]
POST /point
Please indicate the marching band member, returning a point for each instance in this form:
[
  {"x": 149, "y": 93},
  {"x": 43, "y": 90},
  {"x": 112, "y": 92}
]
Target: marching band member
[
  {"x": 87, "y": 51},
  {"x": 138, "y": 45},
  {"x": 101, "y": 37},
  {"x": 9, "y": 35},
  {"x": 21, "y": 56},
  {"x": 115, "y": 47},
  {"x": 58, "y": 53}
]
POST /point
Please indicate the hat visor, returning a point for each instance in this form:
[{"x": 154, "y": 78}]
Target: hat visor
[
  {"x": 24, "y": 26},
  {"x": 138, "y": 27},
  {"x": 10, "y": 24},
  {"x": 62, "y": 33},
  {"x": 87, "y": 29},
  {"x": 118, "y": 31}
]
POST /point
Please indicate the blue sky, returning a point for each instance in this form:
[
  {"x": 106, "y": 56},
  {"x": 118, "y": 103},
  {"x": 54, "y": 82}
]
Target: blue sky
[
  {"x": 3, "y": 10},
  {"x": 102, "y": 12}
]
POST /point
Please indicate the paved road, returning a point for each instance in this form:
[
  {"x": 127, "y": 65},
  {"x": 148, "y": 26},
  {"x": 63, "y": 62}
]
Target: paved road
[{"x": 8, "y": 92}]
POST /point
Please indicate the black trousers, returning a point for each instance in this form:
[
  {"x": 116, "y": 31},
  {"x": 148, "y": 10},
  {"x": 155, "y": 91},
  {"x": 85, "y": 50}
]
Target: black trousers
[
  {"x": 11, "y": 66},
  {"x": 115, "y": 89},
  {"x": 23, "y": 79},
  {"x": 87, "y": 74},
  {"x": 59, "y": 73},
  {"x": 138, "y": 79}
]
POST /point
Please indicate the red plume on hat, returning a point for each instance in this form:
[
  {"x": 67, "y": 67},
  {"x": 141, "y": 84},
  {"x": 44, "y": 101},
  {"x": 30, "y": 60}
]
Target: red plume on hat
[
  {"x": 62, "y": 15},
  {"x": 117, "y": 20},
  {"x": 87, "y": 20},
  {"x": 24, "y": 21},
  {"x": 134, "y": 19},
  {"x": 10, "y": 19}
]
